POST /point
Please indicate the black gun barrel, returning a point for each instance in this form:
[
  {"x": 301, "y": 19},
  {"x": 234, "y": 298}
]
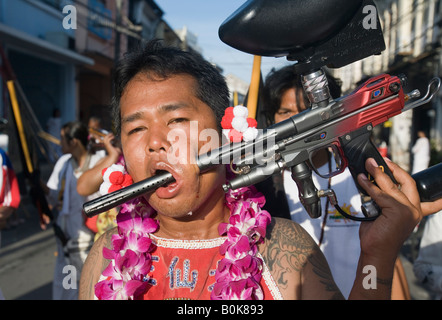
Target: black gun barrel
[
  {"x": 116, "y": 198},
  {"x": 429, "y": 183}
]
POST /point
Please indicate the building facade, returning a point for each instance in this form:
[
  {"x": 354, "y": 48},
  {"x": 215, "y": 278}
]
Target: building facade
[{"x": 43, "y": 56}]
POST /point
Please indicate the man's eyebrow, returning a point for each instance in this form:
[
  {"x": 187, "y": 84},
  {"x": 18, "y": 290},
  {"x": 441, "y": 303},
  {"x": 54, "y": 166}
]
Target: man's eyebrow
[
  {"x": 173, "y": 106},
  {"x": 164, "y": 109},
  {"x": 132, "y": 117}
]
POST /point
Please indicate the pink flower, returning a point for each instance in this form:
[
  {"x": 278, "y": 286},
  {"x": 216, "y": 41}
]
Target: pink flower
[
  {"x": 118, "y": 290},
  {"x": 127, "y": 207},
  {"x": 247, "y": 289},
  {"x": 133, "y": 222}
]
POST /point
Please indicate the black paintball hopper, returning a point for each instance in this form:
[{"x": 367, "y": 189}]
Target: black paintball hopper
[{"x": 312, "y": 32}]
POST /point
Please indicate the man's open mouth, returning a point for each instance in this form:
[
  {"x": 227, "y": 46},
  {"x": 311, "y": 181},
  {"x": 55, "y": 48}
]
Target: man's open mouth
[
  {"x": 164, "y": 172},
  {"x": 170, "y": 189}
]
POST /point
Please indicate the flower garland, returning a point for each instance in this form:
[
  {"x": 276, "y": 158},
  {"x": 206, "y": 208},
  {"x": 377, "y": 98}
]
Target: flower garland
[{"x": 239, "y": 273}]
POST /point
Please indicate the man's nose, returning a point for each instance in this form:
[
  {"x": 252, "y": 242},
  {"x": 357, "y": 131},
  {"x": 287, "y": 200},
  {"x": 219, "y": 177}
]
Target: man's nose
[{"x": 158, "y": 141}]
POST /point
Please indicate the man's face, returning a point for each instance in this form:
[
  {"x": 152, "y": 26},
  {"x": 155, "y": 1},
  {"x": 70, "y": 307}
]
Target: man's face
[
  {"x": 153, "y": 113},
  {"x": 289, "y": 106}
]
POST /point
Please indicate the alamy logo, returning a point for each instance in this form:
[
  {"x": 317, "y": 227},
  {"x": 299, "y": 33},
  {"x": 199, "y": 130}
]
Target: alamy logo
[
  {"x": 370, "y": 20},
  {"x": 70, "y": 280},
  {"x": 70, "y": 20},
  {"x": 370, "y": 280}
]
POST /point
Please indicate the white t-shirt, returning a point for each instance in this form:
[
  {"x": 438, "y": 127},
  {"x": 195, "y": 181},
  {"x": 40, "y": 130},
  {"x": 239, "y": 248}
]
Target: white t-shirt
[
  {"x": 70, "y": 217},
  {"x": 62, "y": 186},
  {"x": 340, "y": 243},
  {"x": 421, "y": 152},
  {"x": 428, "y": 265}
]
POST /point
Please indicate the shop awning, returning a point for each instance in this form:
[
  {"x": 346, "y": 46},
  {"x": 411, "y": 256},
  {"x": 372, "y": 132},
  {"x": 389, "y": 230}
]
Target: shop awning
[{"x": 20, "y": 40}]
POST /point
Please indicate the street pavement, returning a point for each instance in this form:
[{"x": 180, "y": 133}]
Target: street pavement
[{"x": 27, "y": 259}]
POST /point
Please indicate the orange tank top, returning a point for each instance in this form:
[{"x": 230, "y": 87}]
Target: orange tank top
[{"x": 185, "y": 269}]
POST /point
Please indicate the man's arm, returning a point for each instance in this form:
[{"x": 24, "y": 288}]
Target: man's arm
[
  {"x": 382, "y": 239},
  {"x": 94, "y": 266},
  {"x": 431, "y": 207},
  {"x": 297, "y": 264},
  {"x": 90, "y": 181}
]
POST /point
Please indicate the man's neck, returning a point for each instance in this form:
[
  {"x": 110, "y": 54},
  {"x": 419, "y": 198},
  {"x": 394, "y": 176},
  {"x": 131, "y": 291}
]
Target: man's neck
[{"x": 201, "y": 224}]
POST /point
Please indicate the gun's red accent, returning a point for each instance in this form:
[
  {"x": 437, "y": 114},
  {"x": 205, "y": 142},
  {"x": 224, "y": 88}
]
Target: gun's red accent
[{"x": 370, "y": 92}]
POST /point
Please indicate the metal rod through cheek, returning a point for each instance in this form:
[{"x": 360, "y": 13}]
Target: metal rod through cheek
[{"x": 123, "y": 195}]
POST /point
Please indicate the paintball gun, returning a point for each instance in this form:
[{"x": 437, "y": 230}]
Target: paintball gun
[{"x": 342, "y": 127}]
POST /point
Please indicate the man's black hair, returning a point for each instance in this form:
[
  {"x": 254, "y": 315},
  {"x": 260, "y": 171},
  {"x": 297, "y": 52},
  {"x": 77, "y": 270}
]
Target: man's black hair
[{"x": 158, "y": 61}]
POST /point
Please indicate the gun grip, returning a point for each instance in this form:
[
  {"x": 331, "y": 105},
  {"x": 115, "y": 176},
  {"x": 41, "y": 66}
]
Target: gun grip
[
  {"x": 308, "y": 193},
  {"x": 358, "y": 147}
]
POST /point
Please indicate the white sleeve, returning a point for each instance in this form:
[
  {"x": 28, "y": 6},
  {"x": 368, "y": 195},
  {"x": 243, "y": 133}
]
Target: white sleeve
[{"x": 54, "y": 180}]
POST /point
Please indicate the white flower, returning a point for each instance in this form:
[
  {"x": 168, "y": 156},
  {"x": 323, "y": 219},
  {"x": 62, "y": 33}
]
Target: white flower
[
  {"x": 240, "y": 124},
  {"x": 240, "y": 111},
  {"x": 104, "y": 187},
  {"x": 250, "y": 134}
]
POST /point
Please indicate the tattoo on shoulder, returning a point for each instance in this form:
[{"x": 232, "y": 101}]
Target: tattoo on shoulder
[
  {"x": 289, "y": 248},
  {"x": 286, "y": 245}
]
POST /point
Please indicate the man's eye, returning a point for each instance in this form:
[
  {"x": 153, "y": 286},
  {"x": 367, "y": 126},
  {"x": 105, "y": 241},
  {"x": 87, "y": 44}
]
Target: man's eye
[
  {"x": 178, "y": 120},
  {"x": 135, "y": 130}
]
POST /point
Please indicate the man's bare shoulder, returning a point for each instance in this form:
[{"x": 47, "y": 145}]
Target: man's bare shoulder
[
  {"x": 286, "y": 231},
  {"x": 288, "y": 240},
  {"x": 296, "y": 263},
  {"x": 94, "y": 265}
]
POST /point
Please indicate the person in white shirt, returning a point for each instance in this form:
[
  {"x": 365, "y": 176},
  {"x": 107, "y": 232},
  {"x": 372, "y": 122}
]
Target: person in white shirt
[
  {"x": 337, "y": 236},
  {"x": 428, "y": 265},
  {"x": 67, "y": 205},
  {"x": 421, "y": 153}
]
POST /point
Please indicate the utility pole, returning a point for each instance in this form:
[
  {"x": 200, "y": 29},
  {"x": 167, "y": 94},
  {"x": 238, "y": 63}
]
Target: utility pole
[{"x": 119, "y": 5}]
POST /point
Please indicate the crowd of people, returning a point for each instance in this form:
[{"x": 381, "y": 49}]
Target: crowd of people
[{"x": 191, "y": 239}]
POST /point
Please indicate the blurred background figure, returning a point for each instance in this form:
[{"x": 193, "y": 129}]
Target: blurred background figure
[
  {"x": 53, "y": 127},
  {"x": 421, "y": 153},
  {"x": 74, "y": 239},
  {"x": 9, "y": 190},
  {"x": 428, "y": 265},
  {"x": 94, "y": 123},
  {"x": 88, "y": 184},
  {"x": 96, "y": 136},
  {"x": 4, "y": 137}
]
